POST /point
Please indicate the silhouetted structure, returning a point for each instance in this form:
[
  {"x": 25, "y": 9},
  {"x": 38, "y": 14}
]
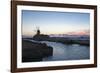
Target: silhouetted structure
[
  {"x": 40, "y": 37},
  {"x": 38, "y": 31}
]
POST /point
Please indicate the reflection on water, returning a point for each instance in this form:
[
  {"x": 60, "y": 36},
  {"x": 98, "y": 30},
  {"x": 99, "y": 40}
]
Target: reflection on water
[{"x": 67, "y": 52}]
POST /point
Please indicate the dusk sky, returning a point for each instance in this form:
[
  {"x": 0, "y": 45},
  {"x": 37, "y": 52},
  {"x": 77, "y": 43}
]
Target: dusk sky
[{"x": 52, "y": 22}]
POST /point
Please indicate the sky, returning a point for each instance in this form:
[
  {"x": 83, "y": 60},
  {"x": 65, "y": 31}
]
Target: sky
[{"x": 52, "y": 22}]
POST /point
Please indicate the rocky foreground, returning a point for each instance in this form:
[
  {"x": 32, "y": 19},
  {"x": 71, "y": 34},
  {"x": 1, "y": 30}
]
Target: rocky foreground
[{"x": 32, "y": 52}]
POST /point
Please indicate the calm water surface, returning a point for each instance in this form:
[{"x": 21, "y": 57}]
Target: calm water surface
[{"x": 67, "y": 52}]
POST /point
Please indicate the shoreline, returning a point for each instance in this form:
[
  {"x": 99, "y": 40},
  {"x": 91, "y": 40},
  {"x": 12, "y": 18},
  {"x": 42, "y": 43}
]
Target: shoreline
[
  {"x": 32, "y": 52},
  {"x": 65, "y": 41}
]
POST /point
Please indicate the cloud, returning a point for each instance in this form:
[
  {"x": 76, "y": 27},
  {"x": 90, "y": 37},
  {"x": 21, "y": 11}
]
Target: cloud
[{"x": 80, "y": 32}]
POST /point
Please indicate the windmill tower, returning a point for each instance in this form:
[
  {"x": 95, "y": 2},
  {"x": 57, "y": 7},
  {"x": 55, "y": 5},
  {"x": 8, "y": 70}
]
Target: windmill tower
[{"x": 38, "y": 31}]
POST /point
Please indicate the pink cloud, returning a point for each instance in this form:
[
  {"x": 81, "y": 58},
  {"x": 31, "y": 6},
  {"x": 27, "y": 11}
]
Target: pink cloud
[{"x": 81, "y": 32}]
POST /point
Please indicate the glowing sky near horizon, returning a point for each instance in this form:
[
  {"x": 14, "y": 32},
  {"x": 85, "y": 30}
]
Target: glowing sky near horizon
[{"x": 55, "y": 22}]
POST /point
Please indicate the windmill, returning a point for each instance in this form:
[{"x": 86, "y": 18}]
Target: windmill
[{"x": 37, "y": 31}]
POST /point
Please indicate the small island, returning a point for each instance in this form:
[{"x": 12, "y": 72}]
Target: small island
[
  {"x": 35, "y": 51},
  {"x": 40, "y": 37}
]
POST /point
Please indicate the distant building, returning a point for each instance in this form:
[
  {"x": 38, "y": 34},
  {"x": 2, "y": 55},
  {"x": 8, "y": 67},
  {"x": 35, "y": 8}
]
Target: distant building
[
  {"x": 39, "y": 36},
  {"x": 38, "y": 32}
]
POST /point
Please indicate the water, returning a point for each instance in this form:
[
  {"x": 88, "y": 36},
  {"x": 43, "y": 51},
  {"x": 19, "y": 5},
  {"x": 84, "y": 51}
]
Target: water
[{"x": 67, "y": 52}]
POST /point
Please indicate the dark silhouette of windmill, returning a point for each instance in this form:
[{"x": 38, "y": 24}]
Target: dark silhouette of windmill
[
  {"x": 37, "y": 31},
  {"x": 40, "y": 36}
]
